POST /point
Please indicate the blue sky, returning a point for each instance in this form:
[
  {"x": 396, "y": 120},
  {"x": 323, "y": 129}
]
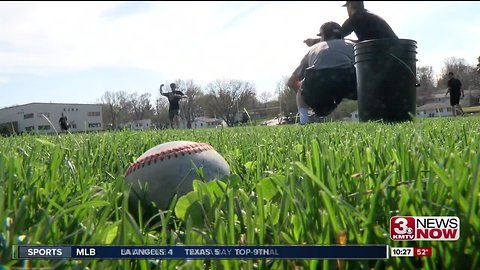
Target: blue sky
[{"x": 75, "y": 51}]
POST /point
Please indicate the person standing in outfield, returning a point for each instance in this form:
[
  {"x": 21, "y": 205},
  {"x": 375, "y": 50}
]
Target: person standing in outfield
[
  {"x": 456, "y": 92},
  {"x": 174, "y": 98},
  {"x": 364, "y": 23},
  {"x": 326, "y": 73},
  {"x": 63, "y": 123}
]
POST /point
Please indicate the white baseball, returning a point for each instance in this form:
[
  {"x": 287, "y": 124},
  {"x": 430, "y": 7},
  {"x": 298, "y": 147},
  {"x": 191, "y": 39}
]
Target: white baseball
[{"x": 169, "y": 168}]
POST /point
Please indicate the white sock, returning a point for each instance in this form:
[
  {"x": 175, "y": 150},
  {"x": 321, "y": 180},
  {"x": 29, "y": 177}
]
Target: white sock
[
  {"x": 303, "y": 115},
  {"x": 302, "y": 108}
]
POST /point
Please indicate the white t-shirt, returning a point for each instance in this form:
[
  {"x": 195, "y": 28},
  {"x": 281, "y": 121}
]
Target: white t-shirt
[{"x": 336, "y": 53}]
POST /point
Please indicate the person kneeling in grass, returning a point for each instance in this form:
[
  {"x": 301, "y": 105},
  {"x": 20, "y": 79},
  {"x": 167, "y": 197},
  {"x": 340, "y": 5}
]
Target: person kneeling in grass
[{"x": 326, "y": 73}]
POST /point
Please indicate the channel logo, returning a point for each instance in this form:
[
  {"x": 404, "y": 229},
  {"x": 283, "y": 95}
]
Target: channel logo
[{"x": 412, "y": 228}]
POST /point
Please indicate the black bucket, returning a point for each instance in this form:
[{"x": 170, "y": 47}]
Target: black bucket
[{"x": 386, "y": 79}]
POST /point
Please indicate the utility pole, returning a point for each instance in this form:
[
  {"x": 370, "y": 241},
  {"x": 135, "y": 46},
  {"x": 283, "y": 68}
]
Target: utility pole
[
  {"x": 279, "y": 101},
  {"x": 158, "y": 104}
]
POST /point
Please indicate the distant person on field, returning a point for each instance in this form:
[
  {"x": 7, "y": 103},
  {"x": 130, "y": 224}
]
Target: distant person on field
[
  {"x": 456, "y": 92},
  {"x": 326, "y": 73},
  {"x": 63, "y": 123},
  {"x": 245, "y": 117},
  {"x": 174, "y": 98},
  {"x": 364, "y": 23}
]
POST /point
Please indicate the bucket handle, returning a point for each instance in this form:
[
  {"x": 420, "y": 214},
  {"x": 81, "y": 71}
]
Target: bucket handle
[{"x": 417, "y": 84}]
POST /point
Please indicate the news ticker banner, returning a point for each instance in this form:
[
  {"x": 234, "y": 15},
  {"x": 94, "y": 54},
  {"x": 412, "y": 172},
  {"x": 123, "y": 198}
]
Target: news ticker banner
[{"x": 353, "y": 252}]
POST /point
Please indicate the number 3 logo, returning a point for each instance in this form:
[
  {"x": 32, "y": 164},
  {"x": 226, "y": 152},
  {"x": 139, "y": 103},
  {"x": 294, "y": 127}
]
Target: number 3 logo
[{"x": 402, "y": 226}]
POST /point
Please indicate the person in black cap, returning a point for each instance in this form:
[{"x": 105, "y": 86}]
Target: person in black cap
[
  {"x": 174, "y": 98},
  {"x": 456, "y": 92},
  {"x": 326, "y": 73},
  {"x": 364, "y": 23}
]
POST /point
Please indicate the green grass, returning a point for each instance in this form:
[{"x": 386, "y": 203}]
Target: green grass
[{"x": 289, "y": 185}]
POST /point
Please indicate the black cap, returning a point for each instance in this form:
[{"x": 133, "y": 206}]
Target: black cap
[
  {"x": 360, "y": 3},
  {"x": 330, "y": 28}
]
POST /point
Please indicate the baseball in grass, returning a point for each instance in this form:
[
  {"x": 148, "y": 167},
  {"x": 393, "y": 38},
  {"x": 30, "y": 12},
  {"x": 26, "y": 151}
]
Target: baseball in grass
[{"x": 170, "y": 168}]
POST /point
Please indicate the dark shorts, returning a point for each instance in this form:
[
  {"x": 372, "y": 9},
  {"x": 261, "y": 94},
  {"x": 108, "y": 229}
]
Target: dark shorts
[
  {"x": 324, "y": 89},
  {"x": 172, "y": 113},
  {"x": 64, "y": 126},
  {"x": 454, "y": 99}
]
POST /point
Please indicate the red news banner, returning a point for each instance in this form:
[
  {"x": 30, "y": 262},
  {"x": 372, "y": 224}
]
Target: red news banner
[
  {"x": 416, "y": 228},
  {"x": 422, "y": 252},
  {"x": 411, "y": 251}
]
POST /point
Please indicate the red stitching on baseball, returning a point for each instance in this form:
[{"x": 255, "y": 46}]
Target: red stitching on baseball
[{"x": 167, "y": 154}]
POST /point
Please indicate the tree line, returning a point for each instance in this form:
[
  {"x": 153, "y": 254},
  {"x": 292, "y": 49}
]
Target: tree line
[
  {"x": 222, "y": 99},
  {"x": 228, "y": 99}
]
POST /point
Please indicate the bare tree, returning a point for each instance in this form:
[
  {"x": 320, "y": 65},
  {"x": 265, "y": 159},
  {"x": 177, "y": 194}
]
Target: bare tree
[
  {"x": 286, "y": 96},
  {"x": 140, "y": 105},
  {"x": 467, "y": 74},
  {"x": 426, "y": 79},
  {"x": 116, "y": 105},
  {"x": 265, "y": 97},
  {"x": 478, "y": 65},
  {"x": 228, "y": 97},
  {"x": 125, "y": 107},
  {"x": 189, "y": 108},
  {"x": 161, "y": 113},
  {"x": 204, "y": 107},
  {"x": 460, "y": 68},
  {"x": 110, "y": 112}
]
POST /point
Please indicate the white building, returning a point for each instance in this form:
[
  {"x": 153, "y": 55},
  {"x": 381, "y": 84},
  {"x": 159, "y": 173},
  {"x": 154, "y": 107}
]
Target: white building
[
  {"x": 138, "y": 124},
  {"x": 471, "y": 98},
  {"x": 434, "y": 110},
  {"x": 32, "y": 117},
  {"x": 425, "y": 111},
  {"x": 354, "y": 116},
  {"x": 206, "y": 122},
  {"x": 438, "y": 97}
]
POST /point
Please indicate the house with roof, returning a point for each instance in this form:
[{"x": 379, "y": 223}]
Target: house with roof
[
  {"x": 207, "y": 122},
  {"x": 434, "y": 110}
]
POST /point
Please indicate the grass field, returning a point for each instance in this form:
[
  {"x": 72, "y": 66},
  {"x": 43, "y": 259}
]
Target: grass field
[{"x": 289, "y": 185}]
